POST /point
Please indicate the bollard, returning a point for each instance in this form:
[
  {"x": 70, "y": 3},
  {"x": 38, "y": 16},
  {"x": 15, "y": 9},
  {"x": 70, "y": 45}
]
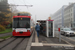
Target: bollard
[{"x": 59, "y": 35}]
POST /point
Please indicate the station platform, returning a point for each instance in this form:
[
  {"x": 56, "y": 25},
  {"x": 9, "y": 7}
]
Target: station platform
[
  {"x": 48, "y": 43},
  {"x": 44, "y": 39}
]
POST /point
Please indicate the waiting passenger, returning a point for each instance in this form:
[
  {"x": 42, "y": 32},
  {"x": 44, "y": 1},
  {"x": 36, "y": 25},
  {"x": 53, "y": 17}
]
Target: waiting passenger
[
  {"x": 37, "y": 28},
  {"x": 41, "y": 28}
]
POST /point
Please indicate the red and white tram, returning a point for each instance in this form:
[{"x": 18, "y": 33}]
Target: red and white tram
[{"x": 22, "y": 25}]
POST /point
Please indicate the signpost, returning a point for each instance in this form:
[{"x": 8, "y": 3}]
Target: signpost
[{"x": 59, "y": 35}]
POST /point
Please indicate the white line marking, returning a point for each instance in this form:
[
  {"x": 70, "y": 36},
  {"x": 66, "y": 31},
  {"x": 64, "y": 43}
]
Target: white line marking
[
  {"x": 69, "y": 38},
  {"x": 36, "y": 44},
  {"x": 66, "y": 37},
  {"x": 36, "y": 38},
  {"x": 48, "y": 44},
  {"x": 64, "y": 40}
]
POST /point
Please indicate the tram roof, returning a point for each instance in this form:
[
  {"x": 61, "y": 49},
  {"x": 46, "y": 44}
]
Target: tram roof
[{"x": 41, "y": 20}]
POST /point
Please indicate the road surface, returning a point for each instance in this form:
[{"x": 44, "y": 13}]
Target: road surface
[{"x": 70, "y": 39}]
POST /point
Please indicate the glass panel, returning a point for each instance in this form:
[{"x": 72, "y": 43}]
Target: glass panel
[
  {"x": 50, "y": 24},
  {"x": 21, "y": 22}
]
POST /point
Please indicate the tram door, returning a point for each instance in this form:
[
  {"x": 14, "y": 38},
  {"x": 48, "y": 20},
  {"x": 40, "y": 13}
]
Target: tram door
[{"x": 50, "y": 28}]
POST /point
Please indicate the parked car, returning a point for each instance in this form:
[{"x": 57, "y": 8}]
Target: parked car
[{"x": 67, "y": 31}]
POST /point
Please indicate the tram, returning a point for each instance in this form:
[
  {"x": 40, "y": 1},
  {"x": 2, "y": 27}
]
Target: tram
[{"x": 22, "y": 25}]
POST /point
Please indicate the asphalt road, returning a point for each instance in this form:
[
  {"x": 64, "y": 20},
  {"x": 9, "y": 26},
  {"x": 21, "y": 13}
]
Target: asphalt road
[
  {"x": 5, "y": 34},
  {"x": 14, "y": 43},
  {"x": 70, "y": 39}
]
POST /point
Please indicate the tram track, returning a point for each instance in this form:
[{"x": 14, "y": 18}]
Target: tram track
[
  {"x": 14, "y": 43},
  {"x": 6, "y": 42},
  {"x": 18, "y": 43}
]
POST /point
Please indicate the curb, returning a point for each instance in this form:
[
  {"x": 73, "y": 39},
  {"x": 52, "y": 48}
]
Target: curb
[{"x": 29, "y": 42}]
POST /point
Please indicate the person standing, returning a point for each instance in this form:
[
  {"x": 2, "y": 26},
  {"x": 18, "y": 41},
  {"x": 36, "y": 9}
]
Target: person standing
[
  {"x": 41, "y": 28},
  {"x": 37, "y": 28}
]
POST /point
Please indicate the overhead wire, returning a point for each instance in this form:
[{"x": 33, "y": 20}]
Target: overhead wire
[
  {"x": 21, "y": 1},
  {"x": 26, "y": 6},
  {"x": 25, "y": 3},
  {"x": 20, "y": 5}
]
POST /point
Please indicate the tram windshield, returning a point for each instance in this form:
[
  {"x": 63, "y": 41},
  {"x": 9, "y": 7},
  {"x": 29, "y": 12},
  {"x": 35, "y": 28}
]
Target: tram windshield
[{"x": 21, "y": 23}]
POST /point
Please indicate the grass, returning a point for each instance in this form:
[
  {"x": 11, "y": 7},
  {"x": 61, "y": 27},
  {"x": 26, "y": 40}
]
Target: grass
[
  {"x": 6, "y": 31},
  {"x": 5, "y": 37}
]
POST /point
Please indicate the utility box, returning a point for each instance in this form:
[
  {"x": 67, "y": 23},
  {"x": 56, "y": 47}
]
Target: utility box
[{"x": 50, "y": 28}]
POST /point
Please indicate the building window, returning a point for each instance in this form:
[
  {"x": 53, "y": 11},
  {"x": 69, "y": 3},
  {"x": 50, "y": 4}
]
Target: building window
[
  {"x": 71, "y": 9},
  {"x": 71, "y": 14}
]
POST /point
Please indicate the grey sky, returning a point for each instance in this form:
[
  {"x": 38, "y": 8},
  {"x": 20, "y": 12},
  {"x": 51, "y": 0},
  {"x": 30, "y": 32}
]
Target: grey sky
[{"x": 41, "y": 8}]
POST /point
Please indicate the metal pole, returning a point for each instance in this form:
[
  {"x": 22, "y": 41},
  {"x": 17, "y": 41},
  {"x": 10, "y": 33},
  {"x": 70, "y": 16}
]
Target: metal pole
[{"x": 59, "y": 36}]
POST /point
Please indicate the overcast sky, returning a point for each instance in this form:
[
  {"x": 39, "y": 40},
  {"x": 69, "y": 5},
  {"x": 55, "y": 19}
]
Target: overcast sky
[{"x": 41, "y": 8}]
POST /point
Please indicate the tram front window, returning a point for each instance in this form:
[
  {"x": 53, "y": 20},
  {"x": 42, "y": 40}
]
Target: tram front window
[{"x": 21, "y": 23}]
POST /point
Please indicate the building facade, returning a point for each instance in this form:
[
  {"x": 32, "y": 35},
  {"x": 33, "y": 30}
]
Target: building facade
[
  {"x": 58, "y": 17},
  {"x": 69, "y": 16},
  {"x": 4, "y": 1}
]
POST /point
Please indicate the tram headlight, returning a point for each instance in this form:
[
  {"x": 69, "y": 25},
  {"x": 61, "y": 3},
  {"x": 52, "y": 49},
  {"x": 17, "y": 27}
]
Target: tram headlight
[
  {"x": 13, "y": 30},
  {"x": 28, "y": 30}
]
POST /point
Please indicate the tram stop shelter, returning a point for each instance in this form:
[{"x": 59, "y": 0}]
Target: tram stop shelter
[{"x": 48, "y": 27}]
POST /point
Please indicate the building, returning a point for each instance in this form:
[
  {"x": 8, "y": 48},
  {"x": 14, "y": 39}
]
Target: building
[
  {"x": 69, "y": 16},
  {"x": 4, "y": 1},
  {"x": 58, "y": 17}
]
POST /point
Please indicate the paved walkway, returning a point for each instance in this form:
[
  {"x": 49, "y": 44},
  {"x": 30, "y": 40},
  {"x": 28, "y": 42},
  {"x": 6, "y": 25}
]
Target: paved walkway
[
  {"x": 5, "y": 34},
  {"x": 44, "y": 39}
]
